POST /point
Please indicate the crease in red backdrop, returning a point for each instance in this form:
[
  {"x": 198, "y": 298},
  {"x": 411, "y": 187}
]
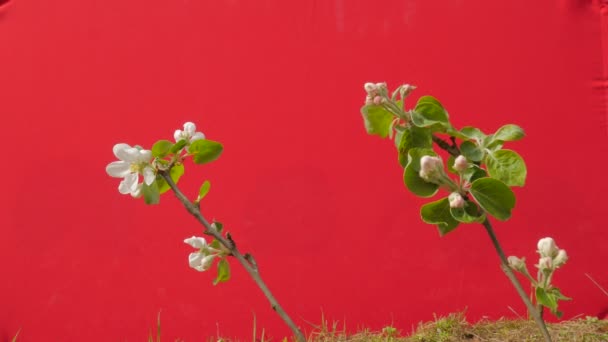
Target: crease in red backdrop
[{"x": 301, "y": 185}]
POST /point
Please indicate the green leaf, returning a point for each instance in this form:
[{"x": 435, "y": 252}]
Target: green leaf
[
  {"x": 413, "y": 137},
  {"x": 472, "y": 133},
  {"x": 161, "y": 148},
  {"x": 474, "y": 172},
  {"x": 558, "y": 294},
  {"x": 438, "y": 213},
  {"x": 493, "y": 196},
  {"x": 546, "y": 299},
  {"x": 509, "y": 133},
  {"x": 176, "y": 172},
  {"x": 204, "y": 190},
  {"x": 470, "y": 150},
  {"x": 429, "y": 112},
  {"x": 377, "y": 120},
  {"x": 411, "y": 177},
  {"x": 507, "y": 166},
  {"x": 150, "y": 193},
  {"x": 469, "y": 214},
  {"x": 205, "y": 151},
  {"x": 218, "y": 226},
  {"x": 223, "y": 271},
  {"x": 178, "y": 146}
]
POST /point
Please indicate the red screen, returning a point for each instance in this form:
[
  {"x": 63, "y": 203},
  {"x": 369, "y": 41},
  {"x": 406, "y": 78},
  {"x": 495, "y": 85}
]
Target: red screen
[{"x": 318, "y": 202}]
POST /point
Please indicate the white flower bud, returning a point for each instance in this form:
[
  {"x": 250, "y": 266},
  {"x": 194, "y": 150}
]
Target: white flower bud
[
  {"x": 369, "y": 87},
  {"x": 517, "y": 263},
  {"x": 369, "y": 100},
  {"x": 545, "y": 263},
  {"x": 456, "y": 200},
  {"x": 407, "y": 89},
  {"x": 430, "y": 168},
  {"x": 547, "y": 247},
  {"x": 561, "y": 258},
  {"x": 460, "y": 164}
]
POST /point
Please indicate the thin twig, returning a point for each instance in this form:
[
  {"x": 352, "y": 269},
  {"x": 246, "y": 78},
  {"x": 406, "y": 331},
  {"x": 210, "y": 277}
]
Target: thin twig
[
  {"x": 251, "y": 268},
  {"x": 451, "y": 149}
]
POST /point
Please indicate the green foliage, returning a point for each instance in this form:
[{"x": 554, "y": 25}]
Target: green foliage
[
  {"x": 413, "y": 137},
  {"x": 509, "y": 133},
  {"x": 430, "y": 113},
  {"x": 176, "y": 172},
  {"x": 205, "y": 151},
  {"x": 470, "y": 150},
  {"x": 411, "y": 174},
  {"x": 204, "y": 190},
  {"x": 438, "y": 213},
  {"x": 161, "y": 148},
  {"x": 223, "y": 271},
  {"x": 484, "y": 183},
  {"x": 549, "y": 298},
  {"x": 377, "y": 120},
  {"x": 471, "y": 213},
  {"x": 150, "y": 193},
  {"x": 507, "y": 166},
  {"x": 494, "y": 197}
]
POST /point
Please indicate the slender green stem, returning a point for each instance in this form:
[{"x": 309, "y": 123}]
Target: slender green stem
[
  {"x": 504, "y": 264},
  {"x": 245, "y": 260}
]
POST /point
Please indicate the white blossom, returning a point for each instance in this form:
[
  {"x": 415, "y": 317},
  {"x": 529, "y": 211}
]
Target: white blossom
[
  {"x": 561, "y": 258},
  {"x": 131, "y": 163},
  {"x": 547, "y": 247},
  {"x": 201, "y": 262},
  {"x": 189, "y": 134},
  {"x": 202, "y": 259}
]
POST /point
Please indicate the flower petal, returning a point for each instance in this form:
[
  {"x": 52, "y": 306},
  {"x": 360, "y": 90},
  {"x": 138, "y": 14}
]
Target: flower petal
[
  {"x": 119, "y": 150},
  {"x": 149, "y": 176},
  {"x": 177, "y": 135},
  {"x": 128, "y": 184},
  {"x": 189, "y": 128},
  {"x": 145, "y": 156},
  {"x": 118, "y": 169},
  {"x": 207, "y": 262},
  {"x": 137, "y": 192},
  {"x": 196, "y": 242},
  {"x": 194, "y": 260},
  {"x": 197, "y": 136}
]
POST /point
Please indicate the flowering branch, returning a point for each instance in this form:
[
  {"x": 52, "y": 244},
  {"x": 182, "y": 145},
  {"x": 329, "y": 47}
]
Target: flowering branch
[
  {"x": 485, "y": 170},
  {"x": 246, "y": 260},
  {"x": 504, "y": 263}
]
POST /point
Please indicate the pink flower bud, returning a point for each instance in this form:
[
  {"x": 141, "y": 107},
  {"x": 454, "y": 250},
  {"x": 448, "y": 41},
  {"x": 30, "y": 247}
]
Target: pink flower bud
[
  {"x": 377, "y": 100},
  {"x": 460, "y": 164},
  {"x": 456, "y": 200},
  {"x": 547, "y": 247},
  {"x": 430, "y": 168},
  {"x": 561, "y": 258}
]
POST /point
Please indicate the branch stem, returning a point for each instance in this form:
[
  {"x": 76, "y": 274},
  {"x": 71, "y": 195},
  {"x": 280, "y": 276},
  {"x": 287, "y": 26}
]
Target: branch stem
[
  {"x": 504, "y": 264},
  {"x": 246, "y": 261}
]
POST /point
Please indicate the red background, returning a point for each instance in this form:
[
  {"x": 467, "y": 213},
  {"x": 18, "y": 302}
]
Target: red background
[{"x": 300, "y": 184}]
